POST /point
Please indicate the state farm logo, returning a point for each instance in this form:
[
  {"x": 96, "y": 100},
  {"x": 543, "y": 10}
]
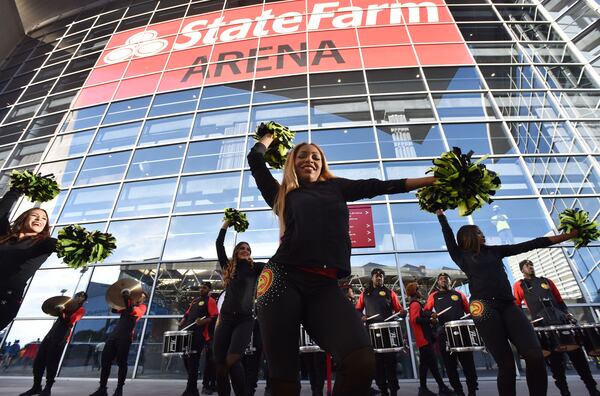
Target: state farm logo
[{"x": 140, "y": 44}]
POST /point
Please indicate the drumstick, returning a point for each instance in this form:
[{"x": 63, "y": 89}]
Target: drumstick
[
  {"x": 393, "y": 316},
  {"x": 536, "y": 320},
  {"x": 465, "y": 315},
  {"x": 191, "y": 324},
  {"x": 372, "y": 317},
  {"x": 443, "y": 310}
]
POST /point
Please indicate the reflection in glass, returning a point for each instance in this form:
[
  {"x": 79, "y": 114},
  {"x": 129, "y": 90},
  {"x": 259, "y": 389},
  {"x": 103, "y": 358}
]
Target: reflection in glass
[
  {"x": 544, "y": 137},
  {"x": 86, "y": 204},
  {"x": 27, "y": 335},
  {"x": 157, "y": 161},
  {"x": 174, "y": 102},
  {"x": 210, "y": 155},
  {"x": 293, "y": 115},
  {"x": 395, "y": 80},
  {"x": 514, "y": 179},
  {"x": 145, "y": 198},
  {"x": 138, "y": 240},
  {"x": 116, "y": 137},
  {"x": 70, "y": 145},
  {"x": 468, "y": 106},
  {"x": 63, "y": 171},
  {"x": 337, "y": 84},
  {"x": 225, "y": 95},
  {"x": 263, "y": 236},
  {"x": 346, "y": 144},
  {"x": 27, "y": 153},
  {"x": 452, "y": 78},
  {"x": 207, "y": 192},
  {"x": 166, "y": 130},
  {"x": 282, "y": 88},
  {"x": 221, "y": 123},
  {"x": 401, "y": 109},
  {"x": 126, "y": 110},
  {"x": 407, "y": 141},
  {"x": 251, "y": 196},
  {"x": 152, "y": 363},
  {"x": 339, "y": 112},
  {"x": 193, "y": 237},
  {"x": 103, "y": 168}
]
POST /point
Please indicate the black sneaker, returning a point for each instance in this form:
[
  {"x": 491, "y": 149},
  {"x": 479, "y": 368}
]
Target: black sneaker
[
  {"x": 118, "y": 391},
  {"x": 445, "y": 391},
  {"x": 35, "y": 390},
  {"x": 100, "y": 392},
  {"x": 206, "y": 390},
  {"x": 46, "y": 392},
  {"x": 424, "y": 391}
]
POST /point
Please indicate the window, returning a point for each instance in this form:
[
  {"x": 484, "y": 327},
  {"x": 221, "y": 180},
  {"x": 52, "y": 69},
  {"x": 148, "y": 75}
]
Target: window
[
  {"x": 166, "y": 130},
  {"x": 127, "y": 110},
  {"x": 225, "y": 95},
  {"x": 103, "y": 168},
  {"x": 346, "y": 144},
  {"x": 157, "y": 161},
  {"x": 70, "y": 145},
  {"x": 406, "y": 141},
  {"x": 87, "y": 204},
  {"x": 212, "y": 155},
  {"x": 221, "y": 123},
  {"x": 145, "y": 198},
  {"x": 174, "y": 102},
  {"x": 339, "y": 112},
  {"x": 116, "y": 137},
  {"x": 207, "y": 192}
]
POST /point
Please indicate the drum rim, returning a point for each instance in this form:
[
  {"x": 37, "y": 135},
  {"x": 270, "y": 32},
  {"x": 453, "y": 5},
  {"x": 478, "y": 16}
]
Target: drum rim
[
  {"x": 460, "y": 322},
  {"x": 589, "y": 325},
  {"x": 556, "y": 327},
  {"x": 467, "y": 349},
  {"x": 175, "y": 353},
  {"x": 384, "y": 350},
  {"x": 385, "y": 325},
  {"x": 311, "y": 348},
  {"x": 177, "y": 332}
]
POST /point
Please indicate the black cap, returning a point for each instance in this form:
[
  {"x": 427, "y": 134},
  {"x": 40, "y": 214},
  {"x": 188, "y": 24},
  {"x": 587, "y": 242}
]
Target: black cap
[
  {"x": 207, "y": 284},
  {"x": 522, "y": 263},
  {"x": 377, "y": 271},
  {"x": 443, "y": 274}
]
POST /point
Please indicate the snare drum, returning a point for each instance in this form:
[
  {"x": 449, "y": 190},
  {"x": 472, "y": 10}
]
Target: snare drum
[
  {"x": 306, "y": 343},
  {"x": 588, "y": 335},
  {"x": 559, "y": 338},
  {"x": 386, "y": 337},
  {"x": 462, "y": 336},
  {"x": 177, "y": 343}
]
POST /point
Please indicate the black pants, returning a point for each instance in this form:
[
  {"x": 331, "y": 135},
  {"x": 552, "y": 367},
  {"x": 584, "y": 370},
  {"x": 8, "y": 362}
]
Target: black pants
[
  {"x": 47, "y": 358},
  {"x": 252, "y": 360},
  {"x": 500, "y": 322},
  {"x": 291, "y": 297},
  {"x": 580, "y": 363},
  {"x": 316, "y": 369},
  {"x": 232, "y": 335},
  {"x": 428, "y": 362},
  {"x": 451, "y": 364},
  {"x": 209, "y": 377},
  {"x": 10, "y": 302},
  {"x": 385, "y": 371},
  {"x": 192, "y": 361},
  {"x": 115, "y": 350}
]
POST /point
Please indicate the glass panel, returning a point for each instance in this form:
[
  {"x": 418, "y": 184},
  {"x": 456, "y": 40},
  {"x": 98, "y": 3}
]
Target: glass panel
[
  {"x": 23, "y": 111},
  {"x": 563, "y": 175},
  {"x": 400, "y": 109},
  {"x": 12, "y": 133},
  {"x": 581, "y": 104},
  {"x": 346, "y": 144},
  {"x": 292, "y": 115},
  {"x": 544, "y": 137},
  {"x": 358, "y": 171},
  {"x": 23, "y": 342},
  {"x": 225, "y": 95},
  {"x": 158, "y": 161},
  {"x": 48, "y": 283},
  {"x": 103, "y": 168},
  {"x": 221, "y": 123},
  {"x": 147, "y": 244},
  {"x": 405, "y": 141},
  {"x": 251, "y": 196},
  {"x": 476, "y": 137},
  {"x": 452, "y": 78},
  {"x": 126, "y": 110},
  {"x": 207, "y": 192},
  {"x": 43, "y": 126},
  {"x": 116, "y": 137},
  {"x": 395, "y": 80},
  {"x": 590, "y": 132},
  {"x": 63, "y": 171},
  {"x": 57, "y": 103},
  {"x": 174, "y": 102},
  {"x": 381, "y": 231},
  {"x": 166, "y": 130},
  {"x": 514, "y": 178},
  {"x": 193, "y": 237},
  {"x": 339, "y": 112},
  {"x": 536, "y": 105},
  {"x": 471, "y": 106},
  {"x": 4, "y": 152},
  {"x": 155, "y": 365},
  {"x": 86, "y": 204},
  {"x": 70, "y": 145},
  {"x": 152, "y": 197},
  {"x": 84, "y": 118},
  {"x": 282, "y": 88},
  {"x": 337, "y": 84},
  {"x": 263, "y": 236},
  {"x": 222, "y": 154},
  {"x": 27, "y": 153}
]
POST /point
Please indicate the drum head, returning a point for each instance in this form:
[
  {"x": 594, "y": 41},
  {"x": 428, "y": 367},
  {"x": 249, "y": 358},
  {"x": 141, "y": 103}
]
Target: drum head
[{"x": 384, "y": 325}]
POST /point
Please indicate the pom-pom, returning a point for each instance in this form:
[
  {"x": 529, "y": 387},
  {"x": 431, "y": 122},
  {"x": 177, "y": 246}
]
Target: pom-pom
[
  {"x": 460, "y": 183},
  {"x": 236, "y": 219},
  {"x": 79, "y": 247},
  {"x": 283, "y": 138},
  {"x": 577, "y": 219},
  {"x": 36, "y": 187}
]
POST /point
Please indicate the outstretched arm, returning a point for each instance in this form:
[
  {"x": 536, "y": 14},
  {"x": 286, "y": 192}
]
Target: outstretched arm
[
  {"x": 265, "y": 181},
  {"x": 537, "y": 243},
  {"x": 419, "y": 182}
]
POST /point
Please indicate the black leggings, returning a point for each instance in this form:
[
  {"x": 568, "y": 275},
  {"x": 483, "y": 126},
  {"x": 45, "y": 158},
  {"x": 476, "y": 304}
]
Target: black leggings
[
  {"x": 47, "y": 358},
  {"x": 385, "y": 371},
  {"x": 232, "y": 336},
  {"x": 289, "y": 297},
  {"x": 192, "y": 361},
  {"x": 499, "y": 322},
  {"x": 115, "y": 349},
  {"x": 451, "y": 363},
  {"x": 428, "y": 361},
  {"x": 580, "y": 363}
]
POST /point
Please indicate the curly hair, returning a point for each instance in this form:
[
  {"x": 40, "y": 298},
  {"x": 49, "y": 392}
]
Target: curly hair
[
  {"x": 231, "y": 268},
  {"x": 17, "y": 226},
  {"x": 467, "y": 238}
]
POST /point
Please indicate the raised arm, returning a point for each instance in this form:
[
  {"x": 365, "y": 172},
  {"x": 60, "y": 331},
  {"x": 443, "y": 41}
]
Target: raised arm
[
  {"x": 537, "y": 243},
  {"x": 219, "y": 244},
  {"x": 6, "y": 204},
  {"x": 453, "y": 249},
  {"x": 265, "y": 181}
]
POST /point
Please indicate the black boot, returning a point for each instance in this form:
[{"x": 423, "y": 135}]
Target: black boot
[
  {"x": 101, "y": 391},
  {"x": 36, "y": 389},
  {"x": 118, "y": 391},
  {"x": 47, "y": 391},
  {"x": 424, "y": 391},
  {"x": 445, "y": 391}
]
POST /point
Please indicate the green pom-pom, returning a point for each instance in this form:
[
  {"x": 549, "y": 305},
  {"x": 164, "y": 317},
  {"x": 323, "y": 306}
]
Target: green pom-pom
[
  {"x": 460, "y": 183},
  {"x": 36, "y": 187},
  {"x": 283, "y": 139},
  {"x": 577, "y": 219},
  {"x": 236, "y": 219},
  {"x": 79, "y": 247}
]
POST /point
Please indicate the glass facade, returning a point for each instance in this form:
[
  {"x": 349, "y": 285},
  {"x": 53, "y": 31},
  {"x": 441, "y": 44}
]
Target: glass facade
[{"x": 157, "y": 169}]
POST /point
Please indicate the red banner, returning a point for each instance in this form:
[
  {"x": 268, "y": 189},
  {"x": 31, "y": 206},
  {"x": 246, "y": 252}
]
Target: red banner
[
  {"x": 362, "y": 234},
  {"x": 283, "y": 38}
]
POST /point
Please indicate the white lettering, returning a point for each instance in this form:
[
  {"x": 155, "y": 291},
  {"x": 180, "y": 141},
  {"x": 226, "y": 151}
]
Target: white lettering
[
  {"x": 414, "y": 11},
  {"x": 353, "y": 19},
  {"x": 395, "y": 14},
  {"x": 279, "y": 24},
  {"x": 261, "y": 21},
  {"x": 189, "y": 32},
  {"x": 372, "y": 11},
  {"x": 239, "y": 30},
  {"x": 211, "y": 34},
  {"x": 319, "y": 13}
]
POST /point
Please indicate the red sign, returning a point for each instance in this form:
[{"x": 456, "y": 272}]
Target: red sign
[
  {"x": 283, "y": 38},
  {"x": 362, "y": 234}
]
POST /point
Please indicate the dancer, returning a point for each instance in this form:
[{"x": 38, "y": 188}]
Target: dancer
[
  {"x": 119, "y": 341},
  {"x": 378, "y": 300},
  {"x": 492, "y": 306},
  {"x": 24, "y": 245},
  {"x": 299, "y": 284},
  {"x": 441, "y": 299},
  {"x": 544, "y": 301},
  {"x": 421, "y": 324},
  {"x": 202, "y": 312},
  {"x": 51, "y": 348},
  {"x": 234, "y": 328}
]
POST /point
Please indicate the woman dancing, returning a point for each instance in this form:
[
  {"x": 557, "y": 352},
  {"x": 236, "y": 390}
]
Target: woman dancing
[
  {"x": 24, "y": 246},
  {"x": 299, "y": 284},
  {"x": 493, "y": 309},
  {"x": 236, "y": 320}
]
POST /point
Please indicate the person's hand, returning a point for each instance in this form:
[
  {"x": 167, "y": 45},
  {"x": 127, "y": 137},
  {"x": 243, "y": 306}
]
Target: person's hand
[
  {"x": 571, "y": 318},
  {"x": 403, "y": 314},
  {"x": 363, "y": 318},
  {"x": 125, "y": 293},
  {"x": 226, "y": 224},
  {"x": 439, "y": 212},
  {"x": 433, "y": 321},
  {"x": 60, "y": 308},
  {"x": 434, "y": 315}
]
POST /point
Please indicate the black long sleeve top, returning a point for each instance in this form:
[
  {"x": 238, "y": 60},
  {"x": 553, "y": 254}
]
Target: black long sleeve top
[
  {"x": 19, "y": 258},
  {"x": 240, "y": 292},
  {"x": 485, "y": 270},
  {"x": 316, "y": 215}
]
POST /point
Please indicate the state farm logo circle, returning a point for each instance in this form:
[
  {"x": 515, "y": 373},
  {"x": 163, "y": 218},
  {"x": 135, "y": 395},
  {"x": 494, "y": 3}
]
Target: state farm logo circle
[{"x": 140, "y": 44}]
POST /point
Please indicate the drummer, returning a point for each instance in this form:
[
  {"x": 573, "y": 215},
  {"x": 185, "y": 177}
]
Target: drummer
[
  {"x": 119, "y": 341},
  {"x": 51, "y": 348},
  {"x": 202, "y": 312},
  {"x": 378, "y": 300},
  {"x": 543, "y": 300},
  {"x": 443, "y": 298}
]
